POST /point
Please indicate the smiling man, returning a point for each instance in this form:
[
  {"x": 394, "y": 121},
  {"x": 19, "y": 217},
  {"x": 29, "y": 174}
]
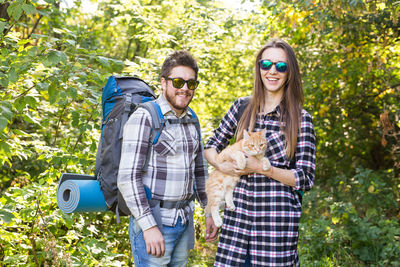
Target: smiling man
[{"x": 162, "y": 198}]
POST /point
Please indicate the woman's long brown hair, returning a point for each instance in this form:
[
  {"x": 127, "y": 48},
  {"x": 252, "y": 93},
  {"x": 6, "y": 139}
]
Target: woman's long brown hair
[{"x": 291, "y": 104}]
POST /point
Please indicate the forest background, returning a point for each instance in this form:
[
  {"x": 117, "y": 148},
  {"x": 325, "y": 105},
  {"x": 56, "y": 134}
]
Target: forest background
[{"x": 55, "y": 58}]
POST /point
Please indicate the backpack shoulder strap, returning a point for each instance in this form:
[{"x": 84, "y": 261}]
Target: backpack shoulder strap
[
  {"x": 196, "y": 122},
  {"x": 157, "y": 117},
  {"x": 157, "y": 124}
]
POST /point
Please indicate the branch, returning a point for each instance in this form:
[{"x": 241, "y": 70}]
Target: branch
[
  {"x": 128, "y": 48},
  {"x": 30, "y": 88},
  {"x": 80, "y": 135},
  {"x": 35, "y": 26},
  {"x": 32, "y": 236},
  {"x": 58, "y": 124},
  {"x": 8, "y": 30},
  {"x": 395, "y": 85}
]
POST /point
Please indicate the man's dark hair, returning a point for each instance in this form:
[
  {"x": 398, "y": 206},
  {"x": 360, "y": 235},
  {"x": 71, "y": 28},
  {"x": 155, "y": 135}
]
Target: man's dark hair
[{"x": 178, "y": 58}]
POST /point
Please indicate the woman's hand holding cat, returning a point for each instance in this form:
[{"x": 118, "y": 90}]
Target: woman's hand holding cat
[
  {"x": 254, "y": 165},
  {"x": 284, "y": 176},
  {"x": 228, "y": 168}
]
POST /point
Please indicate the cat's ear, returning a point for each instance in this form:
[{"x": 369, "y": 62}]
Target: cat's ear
[{"x": 246, "y": 135}]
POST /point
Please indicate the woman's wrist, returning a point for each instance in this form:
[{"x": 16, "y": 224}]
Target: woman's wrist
[{"x": 269, "y": 172}]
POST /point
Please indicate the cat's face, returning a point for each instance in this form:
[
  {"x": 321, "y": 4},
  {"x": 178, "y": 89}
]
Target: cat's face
[{"x": 254, "y": 143}]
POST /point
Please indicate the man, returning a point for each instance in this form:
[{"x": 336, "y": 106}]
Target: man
[{"x": 161, "y": 228}]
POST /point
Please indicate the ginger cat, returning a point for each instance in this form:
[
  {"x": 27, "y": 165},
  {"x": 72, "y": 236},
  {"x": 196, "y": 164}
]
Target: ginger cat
[{"x": 220, "y": 186}]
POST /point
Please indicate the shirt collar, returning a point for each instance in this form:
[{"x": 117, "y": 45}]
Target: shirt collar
[{"x": 276, "y": 110}]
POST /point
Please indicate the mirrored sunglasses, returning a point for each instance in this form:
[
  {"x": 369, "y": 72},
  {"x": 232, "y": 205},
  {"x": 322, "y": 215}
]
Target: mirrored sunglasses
[{"x": 266, "y": 64}]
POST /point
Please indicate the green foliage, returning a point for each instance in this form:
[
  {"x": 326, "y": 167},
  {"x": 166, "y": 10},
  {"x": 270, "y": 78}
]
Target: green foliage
[
  {"x": 362, "y": 230},
  {"x": 55, "y": 60},
  {"x": 45, "y": 235}
]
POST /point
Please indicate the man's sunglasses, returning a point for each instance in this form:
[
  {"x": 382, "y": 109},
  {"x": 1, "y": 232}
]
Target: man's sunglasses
[
  {"x": 179, "y": 83},
  {"x": 266, "y": 64}
]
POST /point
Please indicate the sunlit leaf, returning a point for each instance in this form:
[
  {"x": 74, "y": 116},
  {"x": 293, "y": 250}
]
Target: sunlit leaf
[
  {"x": 3, "y": 123},
  {"x": 2, "y": 26},
  {"x": 29, "y": 8}
]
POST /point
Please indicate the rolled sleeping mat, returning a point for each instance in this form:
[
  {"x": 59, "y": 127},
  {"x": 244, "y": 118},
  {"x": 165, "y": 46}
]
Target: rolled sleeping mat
[{"x": 80, "y": 193}]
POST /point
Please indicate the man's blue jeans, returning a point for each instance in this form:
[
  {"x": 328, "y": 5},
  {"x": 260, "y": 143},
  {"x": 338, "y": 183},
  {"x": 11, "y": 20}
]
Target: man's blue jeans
[{"x": 176, "y": 245}]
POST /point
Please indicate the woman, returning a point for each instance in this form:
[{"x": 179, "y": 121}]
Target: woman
[{"x": 263, "y": 229}]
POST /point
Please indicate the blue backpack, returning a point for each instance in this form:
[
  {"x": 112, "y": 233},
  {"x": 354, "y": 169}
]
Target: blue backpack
[{"x": 121, "y": 97}]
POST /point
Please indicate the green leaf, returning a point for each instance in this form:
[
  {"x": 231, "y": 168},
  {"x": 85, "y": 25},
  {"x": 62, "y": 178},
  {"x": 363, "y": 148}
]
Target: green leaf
[
  {"x": 38, "y": 36},
  {"x": 54, "y": 57},
  {"x": 29, "y": 8},
  {"x": 28, "y": 118},
  {"x": 70, "y": 42},
  {"x": 5, "y": 147},
  {"x": 31, "y": 101},
  {"x": 72, "y": 92},
  {"x": 12, "y": 75},
  {"x": 20, "y": 104},
  {"x": 6, "y": 110},
  {"x": 103, "y": 61},
  {"x": 42, "y": 86},
  {"x": 69, "y": 222},
  {"x": 6, "y": 216},
  {"x": 52, "y": 90},
  {"x": 3, "y": 123},
  {"x": 15, "y": 10},
  {"x": 2, "y": 26},
  {"x": 3, "y": 80}
]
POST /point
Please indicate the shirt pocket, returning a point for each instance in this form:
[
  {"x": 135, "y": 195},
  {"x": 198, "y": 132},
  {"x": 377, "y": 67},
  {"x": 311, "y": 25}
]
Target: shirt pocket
[
  {"x": 276, "y": 147},
  {"x": 194, "y": 141},
  {"x": 166, "y": 144}
]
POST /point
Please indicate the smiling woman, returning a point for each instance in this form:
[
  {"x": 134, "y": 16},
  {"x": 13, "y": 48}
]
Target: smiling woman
[
  {"x": 268, "y": 228},
  {"x": 273, "y": 67}
]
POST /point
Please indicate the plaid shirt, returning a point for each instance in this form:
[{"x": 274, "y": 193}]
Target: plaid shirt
[
  {"x": 266, "y": 220},
  {"x": 176, "y": 166}
]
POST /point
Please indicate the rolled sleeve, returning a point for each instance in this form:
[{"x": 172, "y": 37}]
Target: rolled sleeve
[
  {"x": 226, "y": 129},
  {"x": 305, "y": 155}
]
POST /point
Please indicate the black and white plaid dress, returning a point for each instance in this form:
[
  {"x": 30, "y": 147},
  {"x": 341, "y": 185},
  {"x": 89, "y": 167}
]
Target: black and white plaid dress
[{"x": 265, "y": 224}]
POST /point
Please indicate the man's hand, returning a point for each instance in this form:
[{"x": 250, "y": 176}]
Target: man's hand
[
  {"x": 211, "y": 230},
  {"x": 154, "y": 240}
]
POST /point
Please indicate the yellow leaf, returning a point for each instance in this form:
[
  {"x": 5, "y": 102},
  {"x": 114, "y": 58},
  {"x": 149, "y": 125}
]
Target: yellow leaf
[
  {"x": 335, "y": 220},
  {"x": 371, "y": 189}
]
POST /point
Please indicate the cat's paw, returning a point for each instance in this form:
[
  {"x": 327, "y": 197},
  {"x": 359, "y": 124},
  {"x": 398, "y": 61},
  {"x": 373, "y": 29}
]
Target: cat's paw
[
  {"x": 240, "y": 159},
  {"x": 217, "y": 221},
  {"x": 266, "y": 165},
  {"x": 241, "y": 164},
  {"x": 231, "y": 207}
]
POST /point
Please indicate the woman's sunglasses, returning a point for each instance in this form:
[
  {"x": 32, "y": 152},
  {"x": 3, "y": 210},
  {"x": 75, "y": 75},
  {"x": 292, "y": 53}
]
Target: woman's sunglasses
[
  {"x": 266, "y": 64},
  {"x": 179, "y": 83}
]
